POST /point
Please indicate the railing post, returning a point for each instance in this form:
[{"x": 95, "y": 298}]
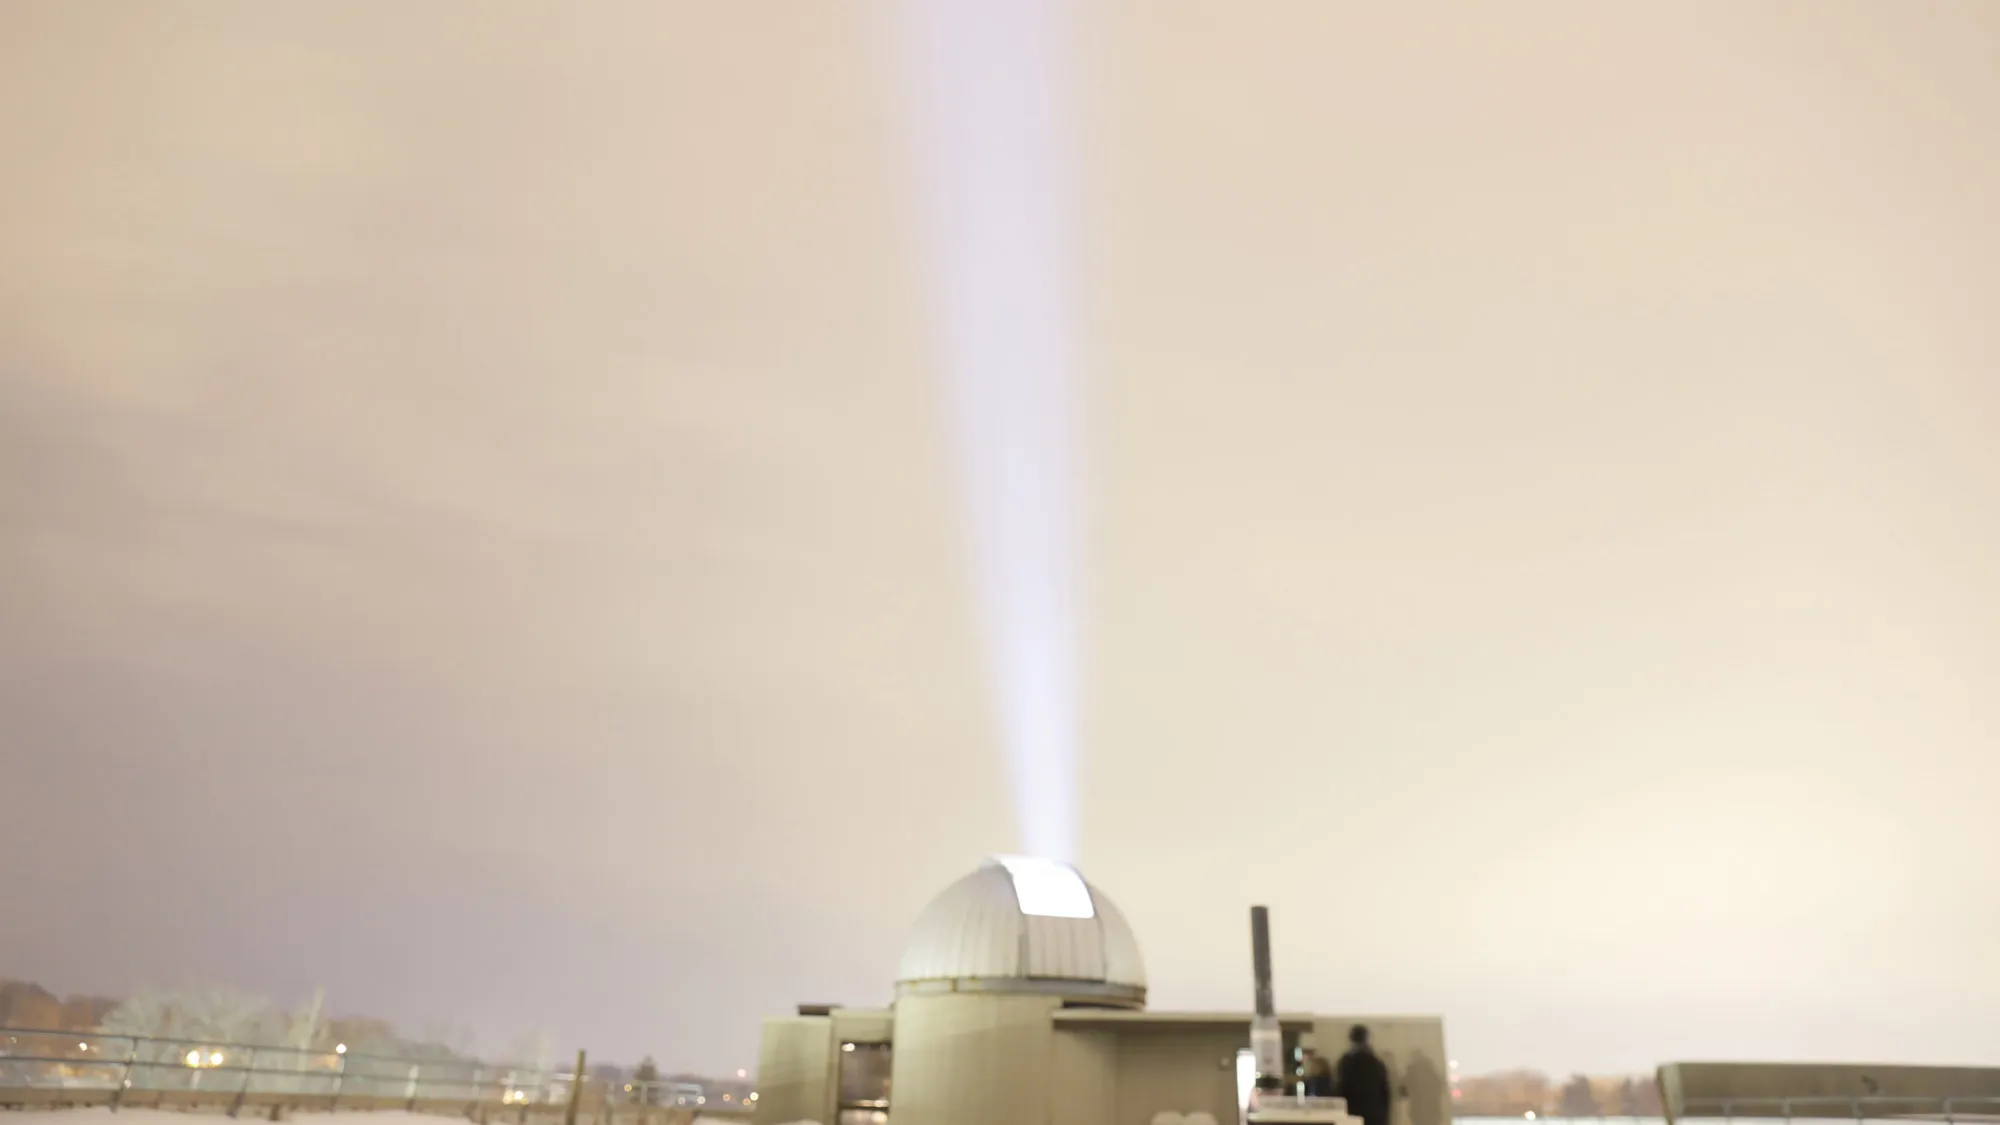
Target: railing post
[
  {"x": 125, "y": 1082},
  {"x": 410, "y": 1091},
  {"x": 242, "y": 1091},
  {"x": 575, "y": 1091}
]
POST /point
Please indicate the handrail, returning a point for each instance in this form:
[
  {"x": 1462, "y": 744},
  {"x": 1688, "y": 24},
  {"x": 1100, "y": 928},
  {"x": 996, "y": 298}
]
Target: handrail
[
  {"x": 195, "y": 1040},
  {"x": 1856, "y": 1107},
  {"x": 118, "y": 1066}
]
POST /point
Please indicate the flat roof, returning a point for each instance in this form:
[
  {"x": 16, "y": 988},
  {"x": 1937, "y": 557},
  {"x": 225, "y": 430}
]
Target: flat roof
[
  {"x": 1113, "y": 1019},
  {"x": 1803, "y": 1090}
]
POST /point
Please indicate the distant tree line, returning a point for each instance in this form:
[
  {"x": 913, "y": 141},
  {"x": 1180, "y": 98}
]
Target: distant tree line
[
  {"x": 1517, "y": 1093},
  {"x": 27, "y": 1004},
  {"x": 177, "y": 1034}
]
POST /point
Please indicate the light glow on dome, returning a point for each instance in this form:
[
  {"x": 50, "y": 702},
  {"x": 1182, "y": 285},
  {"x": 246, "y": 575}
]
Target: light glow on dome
[{"x": 1046, "y": 888}]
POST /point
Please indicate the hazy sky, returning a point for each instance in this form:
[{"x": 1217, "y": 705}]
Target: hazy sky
[{"x": 477, "y": 533}]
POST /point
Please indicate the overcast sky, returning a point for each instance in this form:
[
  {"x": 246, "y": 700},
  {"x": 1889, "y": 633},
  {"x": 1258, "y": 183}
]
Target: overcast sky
[{"x": 477, "y": 532}]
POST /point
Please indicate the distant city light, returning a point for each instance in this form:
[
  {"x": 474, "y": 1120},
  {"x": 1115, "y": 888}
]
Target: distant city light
[
  {"x": 340, "y": 1048},
  {"x": 848, "y": 1047},
  {"x": 194, "y": 1058},
  {"x": 741, "y": 1073},
  {"x": 725, "y": 1097},
  {"x": 753, "y": 1095},
  {"x": 83, "y": 1046},
  {"x": 701, "y": 1099},
  {"x": 215, "y": 1058},
  {"x": 1530, "y": 1115}
]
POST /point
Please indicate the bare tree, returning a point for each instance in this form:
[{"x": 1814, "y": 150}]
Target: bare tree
[
  {"x": 182, "y": 1032},
  {"x": 1578, "y": 1100}
]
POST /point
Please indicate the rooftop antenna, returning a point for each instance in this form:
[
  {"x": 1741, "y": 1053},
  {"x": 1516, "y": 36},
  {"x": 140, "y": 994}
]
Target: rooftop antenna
[{"x": 1267, "y": 1039}]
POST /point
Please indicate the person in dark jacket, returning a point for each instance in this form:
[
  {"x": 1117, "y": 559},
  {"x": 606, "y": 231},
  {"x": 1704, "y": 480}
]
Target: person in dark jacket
[
  {"x": 1319, "y": 1075},
  {"x": 1363, "y": 1080}
]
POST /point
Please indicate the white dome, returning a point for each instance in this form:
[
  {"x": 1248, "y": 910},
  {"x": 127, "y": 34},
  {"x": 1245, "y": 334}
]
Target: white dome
[{"x": 1024, "y": 925}]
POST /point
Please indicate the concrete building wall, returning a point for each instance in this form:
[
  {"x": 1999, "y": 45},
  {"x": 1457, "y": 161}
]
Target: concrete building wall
[
  {"x": 1084, "y": 1090},
  {"x": 973, "y": 1059},
  {"x": 1177, "y": 1070},
  {"x": 862, "y": 1025},
  {"x": 986, "y": 1058},
  {"x": 795, "y": 1070}
]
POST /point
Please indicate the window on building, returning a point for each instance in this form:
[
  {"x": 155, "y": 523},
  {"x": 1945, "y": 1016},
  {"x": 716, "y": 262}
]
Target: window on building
[{"x": 864, "y": 1083}]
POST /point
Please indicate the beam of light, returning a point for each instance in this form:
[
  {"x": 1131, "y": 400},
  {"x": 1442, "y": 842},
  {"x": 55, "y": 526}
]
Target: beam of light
[{"x": 988, "y": 86}]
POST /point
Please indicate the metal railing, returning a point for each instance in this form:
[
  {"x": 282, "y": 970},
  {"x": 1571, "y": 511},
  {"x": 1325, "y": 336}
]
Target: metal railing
[
  {"x": 40, "y": 1067},
  {"x": 1837, "y": 1108},
  {"x": 1805, "y": 1109}
]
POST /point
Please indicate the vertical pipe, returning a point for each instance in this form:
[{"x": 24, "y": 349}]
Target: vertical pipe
[
  {"x": 1267, "y": 1039},
  {"x": 1260, "y": 958}
]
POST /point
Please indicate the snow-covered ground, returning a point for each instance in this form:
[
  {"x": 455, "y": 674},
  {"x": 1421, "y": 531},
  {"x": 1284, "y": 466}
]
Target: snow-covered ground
[{"x": 101, "y": 1116}]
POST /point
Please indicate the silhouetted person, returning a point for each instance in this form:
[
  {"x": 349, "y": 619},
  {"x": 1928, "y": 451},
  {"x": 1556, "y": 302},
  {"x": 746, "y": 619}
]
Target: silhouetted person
[
  {"x": 1424, "y": 1090},
  {"x": 1363, "y": 1079},
  {"x": 1319, "y": 1076}
]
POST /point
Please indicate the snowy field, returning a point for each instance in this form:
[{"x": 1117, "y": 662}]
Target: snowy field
[
  {"x": 98, "y": 1115},
  {"x": 102, "y": 1116}
]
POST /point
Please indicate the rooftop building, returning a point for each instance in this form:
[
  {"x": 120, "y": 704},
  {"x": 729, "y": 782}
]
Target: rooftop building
[{"x": 1021, "y": 1000}]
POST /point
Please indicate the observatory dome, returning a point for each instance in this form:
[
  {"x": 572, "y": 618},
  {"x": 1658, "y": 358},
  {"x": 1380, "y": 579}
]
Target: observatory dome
[{"x": 1024, "y": 925}]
